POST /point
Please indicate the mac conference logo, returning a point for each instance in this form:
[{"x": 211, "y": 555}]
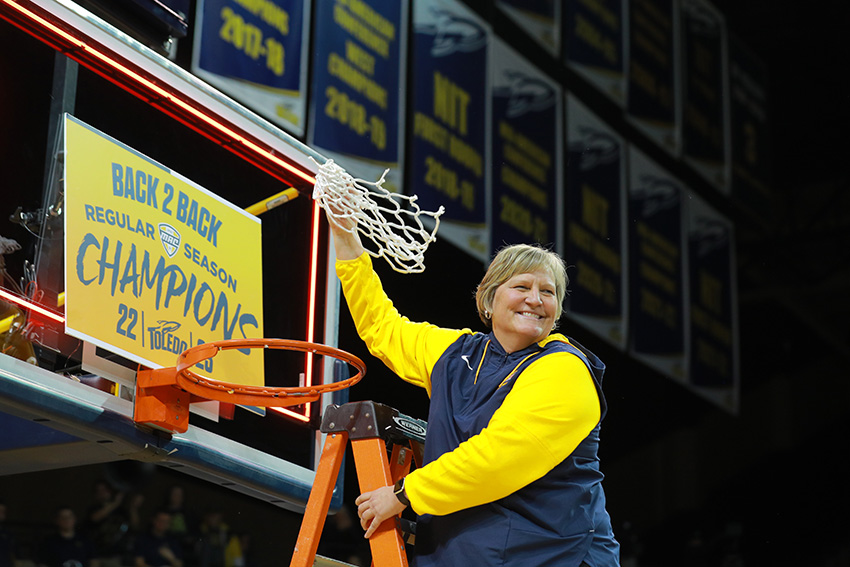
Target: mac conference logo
[{"x": 170, "y": 239}]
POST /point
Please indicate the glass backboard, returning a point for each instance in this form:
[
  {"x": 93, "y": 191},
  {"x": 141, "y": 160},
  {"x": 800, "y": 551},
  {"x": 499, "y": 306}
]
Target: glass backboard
[{"x": 66, "y": 399}]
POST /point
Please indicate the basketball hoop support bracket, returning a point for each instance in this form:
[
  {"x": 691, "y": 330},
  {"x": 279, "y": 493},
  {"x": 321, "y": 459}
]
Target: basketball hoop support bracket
[{"x": 160, "y": 403}]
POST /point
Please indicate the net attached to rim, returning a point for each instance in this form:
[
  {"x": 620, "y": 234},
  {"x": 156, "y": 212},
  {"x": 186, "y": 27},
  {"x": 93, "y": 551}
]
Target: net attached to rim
[{"x": 377, "y": 213}]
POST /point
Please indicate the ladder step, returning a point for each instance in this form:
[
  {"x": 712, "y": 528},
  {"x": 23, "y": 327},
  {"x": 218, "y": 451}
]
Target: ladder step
[
  {"x": 321, "y": 561},
  {"x": 367, "y": 419},
  {"x": 368, "y": 427},
  {"x": 408, "y": 530}
]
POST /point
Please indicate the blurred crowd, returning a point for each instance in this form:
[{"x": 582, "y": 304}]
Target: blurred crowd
[{"x": 112, "y": 532}]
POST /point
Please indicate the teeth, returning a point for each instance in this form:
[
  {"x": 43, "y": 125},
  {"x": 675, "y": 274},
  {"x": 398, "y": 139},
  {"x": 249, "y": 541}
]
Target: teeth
[{"x": 528, "y": 314}]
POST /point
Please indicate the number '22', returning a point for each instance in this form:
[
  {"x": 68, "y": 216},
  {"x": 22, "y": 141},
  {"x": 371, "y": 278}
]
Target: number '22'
[{"x": 127, "y": 321}]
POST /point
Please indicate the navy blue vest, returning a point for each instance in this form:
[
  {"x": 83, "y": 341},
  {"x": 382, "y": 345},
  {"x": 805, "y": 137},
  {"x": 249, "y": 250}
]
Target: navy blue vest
[{"x": 559, "y": 519}]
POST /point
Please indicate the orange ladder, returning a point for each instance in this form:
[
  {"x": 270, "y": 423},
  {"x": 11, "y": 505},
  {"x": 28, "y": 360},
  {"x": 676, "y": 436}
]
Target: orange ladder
[{"x": 369, "y": 427}]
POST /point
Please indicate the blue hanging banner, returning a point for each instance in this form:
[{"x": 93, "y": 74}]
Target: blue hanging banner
[
  {"x": 749, "y": 127},
  {"x": 256, "y": 52},
  {"x": 653, "y": 71},
  {"x": 593, "y": 44},
  {"x": 596, "y": 208},
  {"x": 357, "y": 112},
  {"x": 451, "y": 126},
  {"x": 656, "y": 267},
  {"x": 713, "y": 321},
  {"x": 527, "y": 126},
  {"x": 704, "y": 123}
]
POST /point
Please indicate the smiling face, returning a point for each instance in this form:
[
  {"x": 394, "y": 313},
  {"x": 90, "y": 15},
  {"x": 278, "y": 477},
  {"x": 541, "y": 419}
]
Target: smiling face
[
  {"x": 524, "y": 309},
  {"x": 531, "y": 282}
]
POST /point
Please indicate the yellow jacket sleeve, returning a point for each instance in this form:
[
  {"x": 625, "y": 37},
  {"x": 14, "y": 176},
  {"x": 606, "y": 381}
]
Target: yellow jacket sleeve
[
  {"x": 551, "y": 409},
  {"x": 409, "y": 349}
]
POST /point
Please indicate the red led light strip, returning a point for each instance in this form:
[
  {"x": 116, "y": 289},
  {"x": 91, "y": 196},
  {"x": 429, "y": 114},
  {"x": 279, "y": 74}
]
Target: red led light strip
[
  {"x": 94, "y": 57},
  {"x": 311, "y": 314},
  {"x": 27, "y": 304}
]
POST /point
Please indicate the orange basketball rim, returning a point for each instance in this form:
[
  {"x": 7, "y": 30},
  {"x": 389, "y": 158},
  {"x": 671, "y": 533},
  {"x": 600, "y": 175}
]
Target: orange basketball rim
[{"x": 163, "y": 395}]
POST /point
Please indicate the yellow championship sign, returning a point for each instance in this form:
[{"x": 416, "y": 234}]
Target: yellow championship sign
[{"x": 155, "y": 264}]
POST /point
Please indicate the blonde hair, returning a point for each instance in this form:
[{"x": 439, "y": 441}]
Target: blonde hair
[{"x": 520, "y": 259}]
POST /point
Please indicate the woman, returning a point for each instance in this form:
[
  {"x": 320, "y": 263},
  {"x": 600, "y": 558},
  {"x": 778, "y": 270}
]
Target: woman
[{"x": 510, "y": 473}]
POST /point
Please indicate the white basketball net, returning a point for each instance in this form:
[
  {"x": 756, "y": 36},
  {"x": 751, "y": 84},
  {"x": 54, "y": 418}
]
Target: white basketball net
[{"x": 378, "y": 216}]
